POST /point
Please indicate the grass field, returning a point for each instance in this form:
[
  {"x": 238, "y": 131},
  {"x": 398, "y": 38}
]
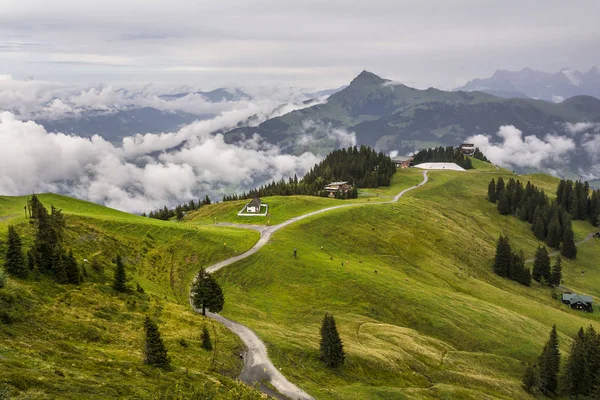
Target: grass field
[
  {"x": 419, "y": 310},
  {"x": 85, "y": 341},
  {"x": 282, "y": 208}
]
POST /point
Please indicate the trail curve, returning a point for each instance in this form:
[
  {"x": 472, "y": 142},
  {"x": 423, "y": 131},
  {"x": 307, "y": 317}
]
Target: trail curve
[{"x": 257, "y": 365}]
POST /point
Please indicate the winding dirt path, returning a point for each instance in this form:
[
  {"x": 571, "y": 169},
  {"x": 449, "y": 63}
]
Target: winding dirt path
[{"x": 257, "y": 365}]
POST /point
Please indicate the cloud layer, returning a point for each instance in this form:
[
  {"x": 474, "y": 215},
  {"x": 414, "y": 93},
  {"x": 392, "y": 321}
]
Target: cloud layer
[
  {"x": 130, "y": 177},
  {"x": 525, "y": 152}
]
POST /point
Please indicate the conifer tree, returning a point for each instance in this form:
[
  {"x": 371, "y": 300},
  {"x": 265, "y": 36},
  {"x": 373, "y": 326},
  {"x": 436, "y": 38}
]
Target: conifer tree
[
  {"x": 206, "y": 342},
  {"x": 120, "y": 281},
  {"x": 538, "y": 228},
  {"x": 331, "y": 346},
  {"x": 206, "y": 293},
  {"x": 503, "y": 257},
  {"x": 569, "y": 249},
  {"x": 504, "y": 203},
  {"x": 530, "y": 378},
  {"x": 491, "y": 196},
  {"x": 576, "y": 368},
  {"x": 30, "y": 260},
  {"x": 15, "y": 262},
  {"x": 499, "y": 187},
  {"x": 155, "y": 353},
  {"x": 554, "y": 233},
  {"x": 556, "y": 274},
  {"x": 549, "y": 365},
  {"x": 71, "y": 268},
  {"x": 541, "y": 265}
]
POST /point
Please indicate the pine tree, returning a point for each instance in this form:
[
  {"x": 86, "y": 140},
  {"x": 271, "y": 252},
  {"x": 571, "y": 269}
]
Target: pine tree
[
  {"x": 504, "y": 203},
  {"x": 502, "y": 260},
  {"x": 549, "y": 365},
  {"x": 332, "y": 348},
  {"x": 576, "y": 368},
  {"x": 556, "y": 274},
  {"x": 206, "y": 342},
  {"x": 178, "y": 213},
  {"x": 538, "y": 228},
  {"x": 491, "y": 196},
  {"x": 155, "y": 353},
  {"x": 15, "y": 262},
  {"x": 541, "y": 265},
  {"x": 499, "y": 187},
  {"x": 530, "y": 378},
  {"x": 31, "y": 260},
  {"x": 120, "y": 281},
  {"x": 554, "y": 233},
  {"x": 206, "y": 293},
  {"x": 71, "y": 268},
  {"x": 569, "y": 249}
]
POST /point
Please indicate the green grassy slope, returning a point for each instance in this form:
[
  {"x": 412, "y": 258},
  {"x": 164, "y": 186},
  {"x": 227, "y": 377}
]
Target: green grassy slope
[
  {"x": 92, "y": 335},
  {"x": 282, "y": 208},
  {"x": 410, "y": 284}
]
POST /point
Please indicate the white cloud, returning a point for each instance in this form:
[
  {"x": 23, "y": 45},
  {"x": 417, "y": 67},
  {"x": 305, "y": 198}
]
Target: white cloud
[
  {"x": 312, "y": 131},
  {"x": 579, "y": 127},
  {"x": 529, "y": 151},
  {"x": 130, "y": 178}
]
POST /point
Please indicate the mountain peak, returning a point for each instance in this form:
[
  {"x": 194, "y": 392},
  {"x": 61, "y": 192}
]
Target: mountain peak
[{"x": 368, "y": 78}]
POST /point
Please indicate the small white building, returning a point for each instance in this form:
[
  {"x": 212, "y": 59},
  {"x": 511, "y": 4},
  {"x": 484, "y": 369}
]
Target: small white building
[{"x": 253, "y": 206}]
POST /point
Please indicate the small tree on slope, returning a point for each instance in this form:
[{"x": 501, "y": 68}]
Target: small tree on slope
[
  {"x": 206, "y": 342},
  {"x": 206, "y": 293},
  {"x": 541, "y": 265},
  {"x": 15, "y": 261},
  {"x": 120, "y": 282},
  {"x": 549, "y": 365},
  {"x": 155, "y": 353},
  {"x": 556, "y": 274},
  {"x": 332, "y": 348}
]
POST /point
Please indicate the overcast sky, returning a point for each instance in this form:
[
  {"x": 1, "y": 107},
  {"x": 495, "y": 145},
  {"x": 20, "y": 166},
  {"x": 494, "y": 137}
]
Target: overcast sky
[{"x": 310, "y": 43}]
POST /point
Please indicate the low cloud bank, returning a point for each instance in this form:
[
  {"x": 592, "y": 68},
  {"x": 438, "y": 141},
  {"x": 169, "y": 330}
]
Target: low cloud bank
[
  {"x": 129, "y": 177},
  {"x": 525, "y": 152}
]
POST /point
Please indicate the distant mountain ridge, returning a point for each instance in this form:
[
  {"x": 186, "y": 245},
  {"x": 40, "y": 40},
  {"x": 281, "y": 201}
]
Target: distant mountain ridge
[
  {"x": 561, "y": 85},
  {"x": 390, "y": 116}
]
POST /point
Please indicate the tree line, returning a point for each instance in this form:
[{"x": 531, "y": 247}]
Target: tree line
[
  {"x": 179, "y": 211},
  {"x": 551, "y": 222},
  {"x": 445, "y": 154},
  {"x": 361, "y": 167},
  {"x": 575, "y": 197},
  {"x": 581, "y": 373}
]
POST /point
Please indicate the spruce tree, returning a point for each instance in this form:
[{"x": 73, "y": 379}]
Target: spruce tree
[
  {"x": 155, "y": 353},
  {"x": 503, "y": 258},
  {"x": 71, "y": 268},
  {"x": 206, "y": 342},
  {"x": 31, "y": 260},
  {"x": 15, "y": 261},
  {"x": 331, "y": 346},
  {"x": 538, "y": 228},
  {"x": 549, "y": 365},
  {"x": 556, "y": 274},
  {"x": 554, "y": 233},
  {"x": 499, "y": 187},
  {"x": 530, "y": 378},
  {"x": 206, "y": 293},
  {"x": 569, "y": 249},
  {"x": 504, "y": 203},
  {"x": 541, "y": 265},
  {"x": 491, "y": 195},
  {"x": 576, "y": 369},
  {"x": 120, "y": 281}
]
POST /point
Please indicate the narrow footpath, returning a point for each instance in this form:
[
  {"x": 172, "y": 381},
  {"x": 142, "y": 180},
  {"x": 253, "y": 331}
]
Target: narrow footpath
[{"x": 257, "y": 365}]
